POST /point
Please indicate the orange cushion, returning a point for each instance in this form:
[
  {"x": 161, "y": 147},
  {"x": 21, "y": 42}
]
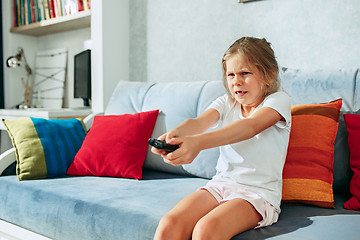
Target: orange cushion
[{"x": 308, "y": 170}]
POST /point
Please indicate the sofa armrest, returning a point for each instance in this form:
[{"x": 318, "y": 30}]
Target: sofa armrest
[
  {"x": 90, "y": 118},
  {"x": 7, "y": 158}
]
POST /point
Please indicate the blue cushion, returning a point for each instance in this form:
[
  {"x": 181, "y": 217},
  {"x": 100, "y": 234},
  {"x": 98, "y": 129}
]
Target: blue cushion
[{"x": 44, "y": 148}]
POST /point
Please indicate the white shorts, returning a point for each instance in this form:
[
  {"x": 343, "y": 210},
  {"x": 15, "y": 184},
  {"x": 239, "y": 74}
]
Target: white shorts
[{"x": 225, "y": 191}]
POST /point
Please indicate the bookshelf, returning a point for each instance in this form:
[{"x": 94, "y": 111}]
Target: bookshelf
[{"x": 55, "y": 25}]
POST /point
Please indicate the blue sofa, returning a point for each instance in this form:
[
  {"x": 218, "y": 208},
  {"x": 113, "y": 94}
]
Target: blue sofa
[{"x": 116, "y": 208}]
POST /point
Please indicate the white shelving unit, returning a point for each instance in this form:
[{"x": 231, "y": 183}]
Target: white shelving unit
[{"x": 55, "y": 25}]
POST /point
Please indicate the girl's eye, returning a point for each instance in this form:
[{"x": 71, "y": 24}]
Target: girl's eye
[
  {"x": 231, "y": 75},
  {"x": 245, "y": 73}
]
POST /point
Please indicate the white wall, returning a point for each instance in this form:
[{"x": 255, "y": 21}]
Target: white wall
[{"x": 185, "y": 40}]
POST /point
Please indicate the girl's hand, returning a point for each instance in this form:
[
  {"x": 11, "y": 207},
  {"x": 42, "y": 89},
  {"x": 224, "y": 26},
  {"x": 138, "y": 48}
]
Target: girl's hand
[
  {"x": 167, "y": 138},
  {"x": 170, "y": 135},
  {"x": 189, "y": 149}
]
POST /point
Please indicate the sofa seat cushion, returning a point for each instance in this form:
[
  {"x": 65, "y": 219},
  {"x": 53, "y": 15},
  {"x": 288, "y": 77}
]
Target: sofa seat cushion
[
  {"x": 310, "y": 222},
  {"x": 91, "y": 207},
  {"x": 117, "y": 208}
]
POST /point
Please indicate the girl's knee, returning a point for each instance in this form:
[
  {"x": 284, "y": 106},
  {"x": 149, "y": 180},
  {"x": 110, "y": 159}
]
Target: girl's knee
[
  {"x": 169, "y": 227},
  {"x": 165, "y": 225},
  {"x": 205, "y": 229}
]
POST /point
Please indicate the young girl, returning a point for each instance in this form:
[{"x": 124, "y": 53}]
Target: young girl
[{"x": 255, "y": 115}]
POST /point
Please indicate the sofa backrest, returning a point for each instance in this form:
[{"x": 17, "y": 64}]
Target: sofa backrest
[
  {"x": 178, "y": 101},
  {"x": 319, "y": 86}
]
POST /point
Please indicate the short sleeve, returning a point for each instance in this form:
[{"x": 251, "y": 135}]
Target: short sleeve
[
  {"x": 280, "y": 102},
  {"x": 219, "y": 105}
]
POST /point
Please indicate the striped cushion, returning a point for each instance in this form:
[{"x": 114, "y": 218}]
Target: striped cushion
[
  {"x": 44, "y": 148},
  {"x": 308, "y": 170}
]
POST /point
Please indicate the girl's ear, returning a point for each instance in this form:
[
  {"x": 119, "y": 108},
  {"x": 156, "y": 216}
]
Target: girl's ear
[
  {"x": 272, "y": 83},
  {"x": 273, "y": 75},
  {"x": 272, "y": 78}
]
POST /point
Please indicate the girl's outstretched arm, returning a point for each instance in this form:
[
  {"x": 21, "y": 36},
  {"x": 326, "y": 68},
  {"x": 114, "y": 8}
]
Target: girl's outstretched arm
[
  {"x": 190, "y": 127},
  {"x": 241, "y": 130}
]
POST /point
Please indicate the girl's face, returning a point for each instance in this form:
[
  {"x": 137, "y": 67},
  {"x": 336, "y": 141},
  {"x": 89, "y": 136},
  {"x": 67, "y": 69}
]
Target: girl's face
[{"x": 245, "y": 82}]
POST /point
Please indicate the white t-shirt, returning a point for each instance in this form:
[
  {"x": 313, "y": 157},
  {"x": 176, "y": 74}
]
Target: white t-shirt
[{"x": 256, "y": 163}]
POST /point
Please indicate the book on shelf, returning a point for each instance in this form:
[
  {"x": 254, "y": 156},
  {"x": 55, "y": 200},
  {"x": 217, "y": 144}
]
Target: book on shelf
[
  {"x": 15, "y": 19},
  {"x": 52, "y": 9},
  {"x": 25, "y": 11},
  {"x": 30, "y": 11},
  {"x": 80, "y": 4},
  {"x": 46, "y": 9},
  {"x": 41, "y": 10}
]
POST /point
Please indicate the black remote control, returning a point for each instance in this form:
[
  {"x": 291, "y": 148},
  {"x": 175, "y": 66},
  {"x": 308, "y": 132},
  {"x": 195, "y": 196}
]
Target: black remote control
[{"x": 162, "y": 145}]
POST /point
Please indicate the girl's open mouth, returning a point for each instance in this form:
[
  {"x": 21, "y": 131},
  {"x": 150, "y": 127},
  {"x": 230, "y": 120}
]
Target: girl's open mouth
[{"x": 240, "y": 93}]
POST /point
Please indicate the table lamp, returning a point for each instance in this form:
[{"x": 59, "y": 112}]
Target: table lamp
[{"x": 17, "y": 61}]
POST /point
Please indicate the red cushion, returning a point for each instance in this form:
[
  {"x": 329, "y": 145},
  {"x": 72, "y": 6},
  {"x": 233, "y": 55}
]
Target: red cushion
[
  {"x": 352, "y": 122},
  {"x": 115, "y": 146}
]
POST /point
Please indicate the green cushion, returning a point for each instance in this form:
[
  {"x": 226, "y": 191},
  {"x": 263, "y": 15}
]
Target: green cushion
[{"x": 44, "y": 148}]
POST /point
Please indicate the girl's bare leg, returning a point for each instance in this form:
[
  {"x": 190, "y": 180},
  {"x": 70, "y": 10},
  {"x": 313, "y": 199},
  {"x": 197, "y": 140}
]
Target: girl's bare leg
[
  {"x": 181, "y": 220},
  {"x": 227, "y": 220}
]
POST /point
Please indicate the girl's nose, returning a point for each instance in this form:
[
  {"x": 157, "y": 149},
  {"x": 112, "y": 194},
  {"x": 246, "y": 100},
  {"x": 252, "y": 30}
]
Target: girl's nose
[{"x": 238, "y": 80}]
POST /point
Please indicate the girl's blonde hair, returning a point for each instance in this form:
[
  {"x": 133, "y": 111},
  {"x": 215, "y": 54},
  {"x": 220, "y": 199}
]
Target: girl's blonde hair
[{"x": 260, "y": 54}]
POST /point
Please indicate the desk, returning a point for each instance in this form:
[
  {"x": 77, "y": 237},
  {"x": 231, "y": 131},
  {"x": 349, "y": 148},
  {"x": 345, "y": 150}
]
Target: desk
[{"x": 46, "y": 113}]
